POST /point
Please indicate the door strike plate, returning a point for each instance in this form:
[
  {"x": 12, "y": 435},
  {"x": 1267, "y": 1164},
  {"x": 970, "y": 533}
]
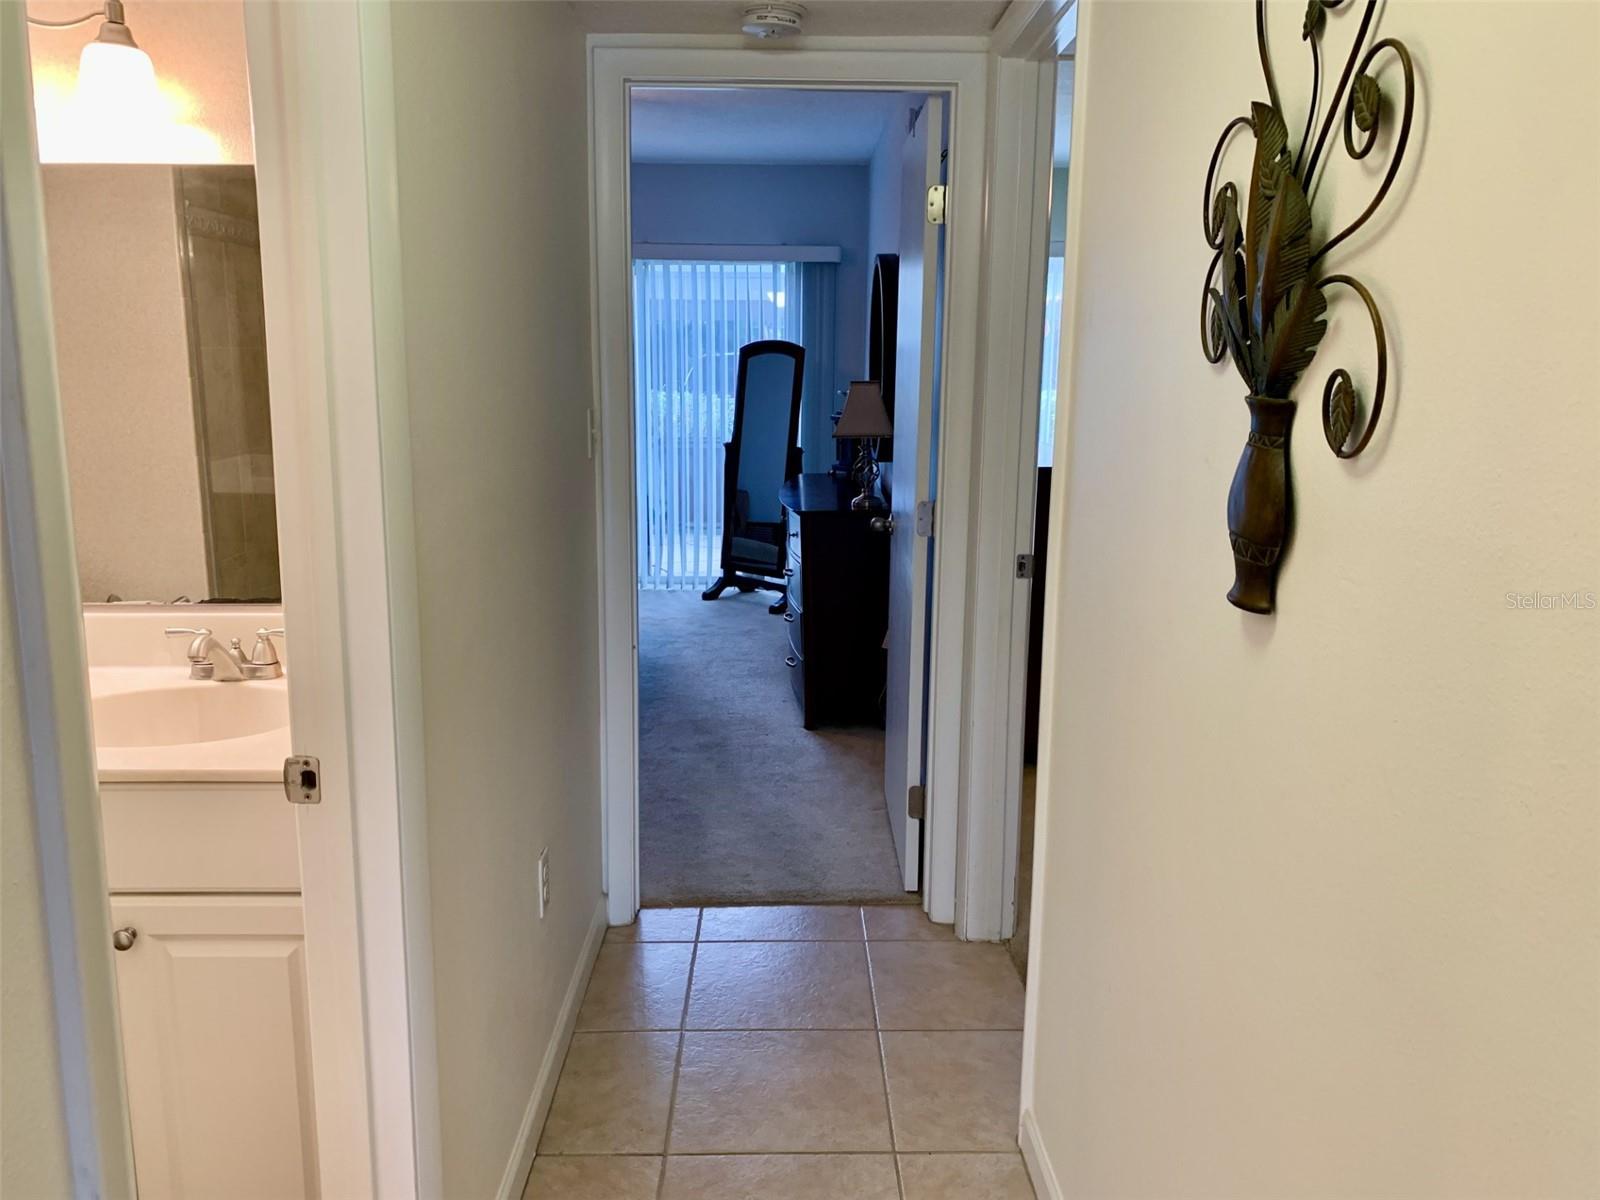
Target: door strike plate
[{"x": 302, "y": 779}]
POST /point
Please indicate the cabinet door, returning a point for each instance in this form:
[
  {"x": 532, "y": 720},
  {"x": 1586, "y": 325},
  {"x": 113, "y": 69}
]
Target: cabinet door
[{"x": 212, "y": 993}]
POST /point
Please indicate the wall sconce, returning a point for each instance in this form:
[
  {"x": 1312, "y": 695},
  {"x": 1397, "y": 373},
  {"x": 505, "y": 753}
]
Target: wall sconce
[{"x": 1264, "y": 297}]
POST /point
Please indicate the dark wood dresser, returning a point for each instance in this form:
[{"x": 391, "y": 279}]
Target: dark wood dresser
[{"x": 838, "y": 614}]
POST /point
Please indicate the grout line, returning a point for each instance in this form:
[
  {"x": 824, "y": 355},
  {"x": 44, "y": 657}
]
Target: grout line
[
  {"x": 883, "y": 1066},
  {"x": 677, "y": 1062},
  {"x": 778, "y": 1153}
]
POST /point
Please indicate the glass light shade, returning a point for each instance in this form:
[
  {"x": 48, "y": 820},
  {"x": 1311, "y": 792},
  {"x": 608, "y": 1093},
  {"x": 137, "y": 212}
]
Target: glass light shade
[{"x": 117, "y": 81}]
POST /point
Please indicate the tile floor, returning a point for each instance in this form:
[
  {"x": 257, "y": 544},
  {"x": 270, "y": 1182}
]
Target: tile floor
[{"x": 789, "y": 1053}]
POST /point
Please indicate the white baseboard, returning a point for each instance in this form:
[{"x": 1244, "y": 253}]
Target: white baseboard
[
  {"x": 544, "y": 1086},
  {"x": 1045, "y": 1184}
]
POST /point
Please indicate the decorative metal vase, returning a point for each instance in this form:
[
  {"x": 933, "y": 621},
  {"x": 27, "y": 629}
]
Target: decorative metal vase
[
  {"x": 1259, "y": 502},
  {"x": 1264, "y": 303}
]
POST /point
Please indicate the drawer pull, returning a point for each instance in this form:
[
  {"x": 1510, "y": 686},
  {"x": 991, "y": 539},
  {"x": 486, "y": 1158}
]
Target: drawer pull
[
  {"x": 791, "y": 661},
  {"x": 124, "y": 938}
]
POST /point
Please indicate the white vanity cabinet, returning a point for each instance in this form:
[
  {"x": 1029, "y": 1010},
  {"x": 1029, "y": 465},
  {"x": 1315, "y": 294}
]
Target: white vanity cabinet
[
  {"x": 213, "y": 1000},
  {"x": 211, "y": 985}
]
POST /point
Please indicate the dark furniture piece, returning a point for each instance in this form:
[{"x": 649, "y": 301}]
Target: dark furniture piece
[
  {"x": 883, "y": 319},
  {"x": 838, "y": 573},
  {"x": 763, "y": 452},
  {"x": 1041, "y": 554}
]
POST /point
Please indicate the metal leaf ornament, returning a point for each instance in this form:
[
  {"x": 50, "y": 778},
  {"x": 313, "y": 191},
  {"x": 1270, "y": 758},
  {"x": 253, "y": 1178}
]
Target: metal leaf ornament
[{"x": 1264, "y": 302}]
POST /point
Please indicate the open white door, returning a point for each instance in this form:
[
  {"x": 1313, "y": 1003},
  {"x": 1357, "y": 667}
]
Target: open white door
[{"x": 911, "y": 476}]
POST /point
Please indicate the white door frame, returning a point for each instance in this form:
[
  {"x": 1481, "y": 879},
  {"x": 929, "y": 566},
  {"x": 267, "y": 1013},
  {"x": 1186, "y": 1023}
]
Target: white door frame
[
  {"x": 322, "y": 101},
  {"x": 1027, "y": 42},
  {"x": 959, "y": 68},
  {"x": 39, "y": 573}
]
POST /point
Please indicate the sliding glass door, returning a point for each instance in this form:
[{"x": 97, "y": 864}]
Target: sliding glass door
[{"x": 689, "y": 320}]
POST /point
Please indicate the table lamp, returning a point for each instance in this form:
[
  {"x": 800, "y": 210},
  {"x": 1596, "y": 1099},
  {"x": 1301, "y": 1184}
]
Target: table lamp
[{"x": 865, "y": 420}]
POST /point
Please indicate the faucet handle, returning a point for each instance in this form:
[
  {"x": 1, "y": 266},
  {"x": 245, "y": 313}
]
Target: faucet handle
[
  {"x": 178, "y": 631},
  {"x": 264, "y": 653}
]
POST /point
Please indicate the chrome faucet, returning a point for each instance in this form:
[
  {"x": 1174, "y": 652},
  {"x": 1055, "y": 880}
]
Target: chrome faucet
[{"x": 210, "y": 659}]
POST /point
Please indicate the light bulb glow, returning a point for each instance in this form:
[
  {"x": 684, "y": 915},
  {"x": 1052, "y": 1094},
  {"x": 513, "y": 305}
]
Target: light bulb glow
[
  {"x": 117, "y": 112},
  {"x": 119, "y": 82}
]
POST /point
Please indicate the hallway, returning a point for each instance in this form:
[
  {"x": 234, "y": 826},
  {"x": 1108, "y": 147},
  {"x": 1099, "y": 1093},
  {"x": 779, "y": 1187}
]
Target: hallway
[{"x": 794, "y": 1053}]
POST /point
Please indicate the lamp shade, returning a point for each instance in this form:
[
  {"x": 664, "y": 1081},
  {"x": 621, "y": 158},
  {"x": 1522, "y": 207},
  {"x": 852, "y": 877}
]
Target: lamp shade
[{"x": 864, "y": 415}]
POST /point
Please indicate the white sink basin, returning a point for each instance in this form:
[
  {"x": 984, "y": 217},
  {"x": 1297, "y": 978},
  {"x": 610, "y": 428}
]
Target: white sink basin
[{"x": 184, "y": 714}]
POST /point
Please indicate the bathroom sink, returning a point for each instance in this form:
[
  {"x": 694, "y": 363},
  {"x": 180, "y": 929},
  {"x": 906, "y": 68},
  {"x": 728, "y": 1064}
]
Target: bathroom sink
[{"x": 187, "y": 713}]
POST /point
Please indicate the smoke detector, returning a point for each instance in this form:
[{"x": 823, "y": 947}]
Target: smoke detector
[{"x": 776, "y": 19}]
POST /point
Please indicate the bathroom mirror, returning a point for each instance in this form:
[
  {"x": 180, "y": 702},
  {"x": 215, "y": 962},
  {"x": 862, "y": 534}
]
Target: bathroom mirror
[{"x": 155, "y": 276}]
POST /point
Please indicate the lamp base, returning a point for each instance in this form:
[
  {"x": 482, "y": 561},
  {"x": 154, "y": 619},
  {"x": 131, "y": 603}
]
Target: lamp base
[{"x": 865, "y": 473}]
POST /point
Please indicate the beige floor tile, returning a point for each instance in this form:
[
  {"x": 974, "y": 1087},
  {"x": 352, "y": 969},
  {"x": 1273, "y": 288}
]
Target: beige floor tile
[
  {"x": 965, "y": 1177},
  {"x": 772, "y": 1093},
  {"x": 614, "y": 1095},
  {"x": 903, "y": 923},
  {"x": 637, "y": 985},
  {"x": 593, "y": 1178},
  {"x": 781, "y": 1177},
  {"x": 945, "y": 985},
  {"x": 782, "y": 923},
  {"x": 954, "y": 1090},
  {"x": 780, "y": 985},
  {"x": 658, "y": 925}
]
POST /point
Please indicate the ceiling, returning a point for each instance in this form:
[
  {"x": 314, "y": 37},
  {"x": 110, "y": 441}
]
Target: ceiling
[
  {"x": 824, "y": 18},
  {"x": 758, "y": 125}
]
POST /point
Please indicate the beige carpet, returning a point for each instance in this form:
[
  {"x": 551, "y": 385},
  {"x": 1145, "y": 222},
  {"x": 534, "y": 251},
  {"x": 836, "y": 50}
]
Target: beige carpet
[{"x": 738, "y": 803}]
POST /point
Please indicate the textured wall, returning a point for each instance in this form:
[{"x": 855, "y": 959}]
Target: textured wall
[
  {"x": 1319, "y": 902},
  {"x": 493, "y": 197}
]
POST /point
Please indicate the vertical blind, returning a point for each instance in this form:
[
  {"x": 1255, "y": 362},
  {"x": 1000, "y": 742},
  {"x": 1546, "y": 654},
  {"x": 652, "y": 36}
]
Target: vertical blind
[
  {"x": 1054, "y": 273},
  {"x": 689, "y": 321}
]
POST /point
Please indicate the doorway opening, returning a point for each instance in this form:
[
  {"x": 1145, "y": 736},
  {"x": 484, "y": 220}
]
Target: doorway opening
[{"x": 785, "y": 318}]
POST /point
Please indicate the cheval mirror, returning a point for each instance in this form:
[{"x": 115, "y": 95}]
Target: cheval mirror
[{"x": 763, "y": 452}]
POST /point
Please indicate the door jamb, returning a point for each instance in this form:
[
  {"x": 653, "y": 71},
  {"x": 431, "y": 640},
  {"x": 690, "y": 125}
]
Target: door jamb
[
  {"x": 39, "y": 575},
  {"x": 322, "y": 99},
  {"x": 959, "y": 69},
  {"x": 1026, "y": 44}
]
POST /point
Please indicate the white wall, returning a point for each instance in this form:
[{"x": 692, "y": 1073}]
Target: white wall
[
  {"x": 122, "y": 342},
  {"x": 493, "y": 198},
  {"x": 1318, "y": 894}
]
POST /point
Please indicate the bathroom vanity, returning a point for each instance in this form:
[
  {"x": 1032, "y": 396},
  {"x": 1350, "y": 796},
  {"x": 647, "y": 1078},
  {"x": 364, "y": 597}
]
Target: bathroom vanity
[{"x": 202, "y": 864}]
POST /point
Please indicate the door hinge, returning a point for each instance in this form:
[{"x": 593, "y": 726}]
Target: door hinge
[
  {"x": 1024, "y": 566},
  {"x": 916, "y": 801},
  {"x": 936, "y": 204},
  {"x": 924, "y": 518},
  {"x": 302, "y": 779},
  {"x": 594, "y": 431}
]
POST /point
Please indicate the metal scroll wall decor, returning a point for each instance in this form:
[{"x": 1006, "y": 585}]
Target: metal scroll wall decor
[{"x": 1265, "y": 296}]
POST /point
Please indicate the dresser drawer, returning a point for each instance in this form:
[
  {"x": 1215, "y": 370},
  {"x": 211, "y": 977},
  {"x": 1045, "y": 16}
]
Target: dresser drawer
[
  {"x": 795, "y": 622},
  {"x": 792, "y": 577},
  {"x": 797, "y": 680}
]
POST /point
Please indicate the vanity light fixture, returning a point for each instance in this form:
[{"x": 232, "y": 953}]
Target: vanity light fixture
[{"x": 112, "y": 70}]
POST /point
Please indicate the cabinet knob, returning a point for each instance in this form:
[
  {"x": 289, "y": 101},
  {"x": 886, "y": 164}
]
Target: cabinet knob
[{"x": 124, "y": 938}]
